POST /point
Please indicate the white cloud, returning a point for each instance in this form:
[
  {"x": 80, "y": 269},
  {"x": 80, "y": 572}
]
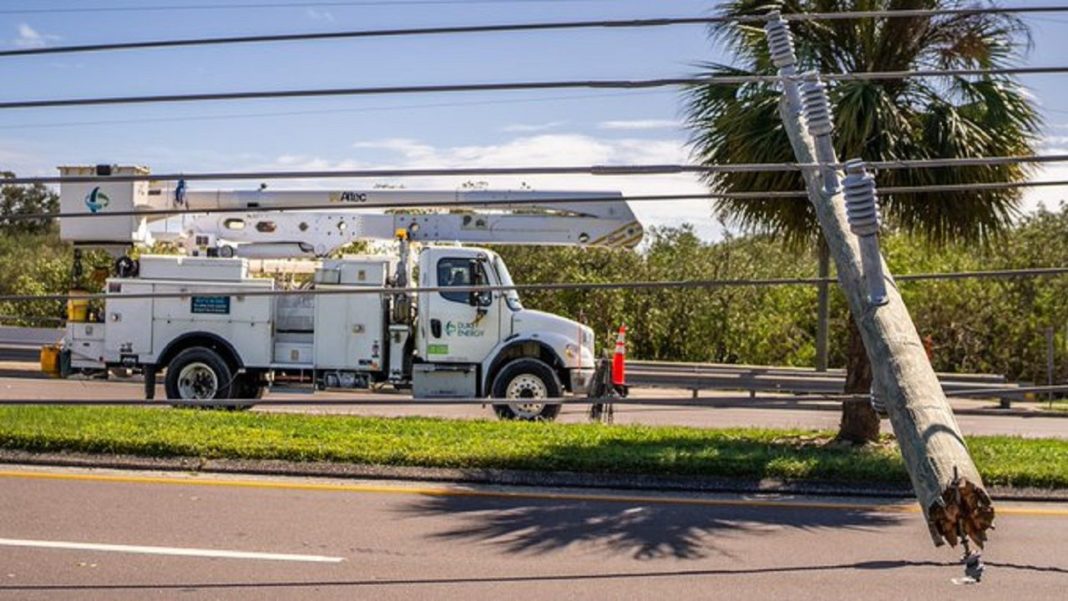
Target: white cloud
[
  {"x": 1050, "y": 141},
  {"x": 1049, "y": 196},
  {"x": 526, "y": 128},
  {"x": 410, "y": 149},
  {"x": 536, "y": 150},
  {"x": 29, "y": 37},
  {"x": 640, "y": 124},
  {"x": 25, "y": 158},
  {"x": 320, "y": 15}
]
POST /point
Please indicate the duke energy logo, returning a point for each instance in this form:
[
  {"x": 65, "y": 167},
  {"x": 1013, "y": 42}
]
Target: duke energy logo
[
  {"x": 463, "y": 329},
  {"x": 96, "y": 200}
]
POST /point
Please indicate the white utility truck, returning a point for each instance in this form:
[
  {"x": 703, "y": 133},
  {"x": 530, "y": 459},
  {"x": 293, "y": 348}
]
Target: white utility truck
[{"x": 218, "y": 331}]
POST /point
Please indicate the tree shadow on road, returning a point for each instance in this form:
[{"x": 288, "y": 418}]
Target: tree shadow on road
[{"x": 639, "y": 528}]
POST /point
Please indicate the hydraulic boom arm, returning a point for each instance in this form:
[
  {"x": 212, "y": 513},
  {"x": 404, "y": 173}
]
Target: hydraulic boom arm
[{"x": 473, "y": 216}]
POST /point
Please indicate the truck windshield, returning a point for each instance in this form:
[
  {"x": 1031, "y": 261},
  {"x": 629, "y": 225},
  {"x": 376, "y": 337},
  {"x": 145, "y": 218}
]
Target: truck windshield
[{"x": 505, "y": 278}]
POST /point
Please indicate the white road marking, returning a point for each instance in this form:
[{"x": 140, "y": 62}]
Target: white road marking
[{"x": 216, "y": 553}]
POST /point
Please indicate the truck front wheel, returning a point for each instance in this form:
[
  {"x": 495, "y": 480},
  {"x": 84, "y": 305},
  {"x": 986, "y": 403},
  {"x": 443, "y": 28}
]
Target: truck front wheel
[
  {"x": 198, "y": 374},
  {"x": 526, "y": 382}
]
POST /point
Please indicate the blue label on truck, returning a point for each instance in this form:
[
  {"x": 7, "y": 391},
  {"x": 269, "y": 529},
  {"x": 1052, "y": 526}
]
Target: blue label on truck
[{"x": 212, "y": 305}]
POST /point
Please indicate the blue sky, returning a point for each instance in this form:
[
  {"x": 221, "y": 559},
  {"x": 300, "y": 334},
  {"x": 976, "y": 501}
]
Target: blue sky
[{"x": 453, "y": 130}]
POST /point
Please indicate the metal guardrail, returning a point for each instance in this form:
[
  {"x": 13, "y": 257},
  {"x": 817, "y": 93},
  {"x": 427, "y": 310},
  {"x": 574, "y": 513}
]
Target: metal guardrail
[
  {"x": 791, "y": 380},
  {"x": 698, "y": 368},
  {"x": 23, "y": 344},
  {"x": 15, "y": 337}
]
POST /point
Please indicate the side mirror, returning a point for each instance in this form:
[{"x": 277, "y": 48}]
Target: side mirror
[
  {"x": 476, "y": 280},
  {"x": 479, "y": 298}
]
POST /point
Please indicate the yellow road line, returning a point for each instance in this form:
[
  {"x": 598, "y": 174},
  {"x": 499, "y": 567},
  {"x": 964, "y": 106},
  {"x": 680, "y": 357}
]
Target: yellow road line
[{"x": 496, "y": 494}]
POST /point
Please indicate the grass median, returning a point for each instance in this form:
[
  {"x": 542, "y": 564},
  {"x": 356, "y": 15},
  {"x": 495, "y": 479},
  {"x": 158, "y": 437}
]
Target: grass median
[{"x": 423, "y": 442}]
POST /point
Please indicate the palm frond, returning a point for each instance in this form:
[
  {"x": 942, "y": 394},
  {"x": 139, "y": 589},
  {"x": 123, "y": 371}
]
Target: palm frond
[{"x": 911, "y": 118}]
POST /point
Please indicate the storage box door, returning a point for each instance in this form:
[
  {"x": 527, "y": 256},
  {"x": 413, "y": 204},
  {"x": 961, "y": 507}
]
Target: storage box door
[{"x": 129, "y": 321}]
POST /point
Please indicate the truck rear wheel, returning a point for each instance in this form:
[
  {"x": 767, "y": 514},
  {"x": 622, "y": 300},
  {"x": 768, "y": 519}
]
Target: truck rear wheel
[
  {"x": 525, "y": 381},
  {"x": 248, "y": 386},
  {"x": 199, "y": 374}
]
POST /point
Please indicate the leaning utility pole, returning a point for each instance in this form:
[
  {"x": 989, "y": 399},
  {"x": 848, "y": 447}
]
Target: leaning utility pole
[{"x": 945, "y": 479}]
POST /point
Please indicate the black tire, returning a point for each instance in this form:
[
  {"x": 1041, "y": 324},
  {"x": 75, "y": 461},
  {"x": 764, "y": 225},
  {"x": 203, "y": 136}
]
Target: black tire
[
  {"x": 541, "y": 382},
  {"x": 248, "y": 386},
  {"x": 204, "y": 361}
]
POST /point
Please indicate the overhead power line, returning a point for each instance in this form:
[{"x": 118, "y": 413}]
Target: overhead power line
[
  {"x": 363, "y": 33},
  {"x": 271, "y": 5},
  {"x": 614, "y": 170},
  {"x": 496, "y": 28},
  {"x": 816, "y": 16},
  {"x": 672, "y": 401},
  {"x": 506, "y": 28},
  {"x": 363, "y": 109},
  {"x": 629, "y": 84},
  {"x": 574, "y": 286}
]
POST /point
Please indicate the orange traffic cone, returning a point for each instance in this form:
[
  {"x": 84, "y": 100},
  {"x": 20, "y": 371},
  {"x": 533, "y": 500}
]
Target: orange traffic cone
[{"x": 619, "y": 371}]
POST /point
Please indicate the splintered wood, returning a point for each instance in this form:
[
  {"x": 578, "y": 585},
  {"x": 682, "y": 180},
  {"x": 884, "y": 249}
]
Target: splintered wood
[{"x": 965, "y": 510}]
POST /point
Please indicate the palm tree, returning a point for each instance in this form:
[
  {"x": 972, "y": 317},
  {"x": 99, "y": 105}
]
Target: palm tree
[{"x": 971, "y": 116}]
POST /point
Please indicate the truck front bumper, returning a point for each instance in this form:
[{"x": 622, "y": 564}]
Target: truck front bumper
[{"x": 581, "y": 377}]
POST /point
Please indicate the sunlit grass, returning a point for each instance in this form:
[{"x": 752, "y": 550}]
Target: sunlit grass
[{"x": 630, "y": 449}]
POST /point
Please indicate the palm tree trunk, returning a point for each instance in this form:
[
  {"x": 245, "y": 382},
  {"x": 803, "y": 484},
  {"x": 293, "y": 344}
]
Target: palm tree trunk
[{"x": 860, "y": 423}]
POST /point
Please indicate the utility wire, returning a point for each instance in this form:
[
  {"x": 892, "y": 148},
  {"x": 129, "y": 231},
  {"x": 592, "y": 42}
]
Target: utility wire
[
  {"x": 756, "y": 196},
  {"x": 508, "y": 28},
  {"x": 364, "y": 33},
  {"x": 273, "y": 5},
  {"x": 815, "y": 16},
  {"x": 575, "y": 286},
  {"x": 628, "y": 84},
  {"x": 364, "y": 109},
  {"x": 694, "y": 401},
  {"x": 703, "y": 400},
  {"x": 614, "y": 170},
  {"x": 500, "y": 28},
  {"x": 335, "y": 206}
]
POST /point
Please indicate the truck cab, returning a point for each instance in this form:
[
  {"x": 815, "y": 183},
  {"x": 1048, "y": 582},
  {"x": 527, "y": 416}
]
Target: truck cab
[{"x": 485, "y": 343}]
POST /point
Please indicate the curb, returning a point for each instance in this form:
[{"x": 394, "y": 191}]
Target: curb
[{"x": 577, "y": 480}]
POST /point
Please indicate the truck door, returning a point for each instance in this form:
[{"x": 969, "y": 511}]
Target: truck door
[{"x": 457, "y": 331}]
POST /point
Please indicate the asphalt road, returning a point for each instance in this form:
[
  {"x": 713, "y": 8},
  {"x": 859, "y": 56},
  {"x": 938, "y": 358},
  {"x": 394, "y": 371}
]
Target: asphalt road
[
  {"x": 813, "y": 415},
  {"x": 209, "y": 537}
]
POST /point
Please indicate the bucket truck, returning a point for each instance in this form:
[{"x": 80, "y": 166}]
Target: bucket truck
[{"x": 218, "y": 332}]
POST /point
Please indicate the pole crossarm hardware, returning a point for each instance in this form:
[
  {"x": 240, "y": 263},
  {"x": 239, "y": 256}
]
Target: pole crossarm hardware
[{"x": 946, "y": 481}]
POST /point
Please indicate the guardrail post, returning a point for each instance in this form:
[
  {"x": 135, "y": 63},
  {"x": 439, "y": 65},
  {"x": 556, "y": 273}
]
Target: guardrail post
[
  {"x": 823, "y": 302},
  {"x": 1049, "y": 363}
]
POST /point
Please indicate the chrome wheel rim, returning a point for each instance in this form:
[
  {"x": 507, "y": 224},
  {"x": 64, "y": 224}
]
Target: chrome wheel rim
[
  {"x": 197, "y": 381},
  {"x": 527, "y": 388}
]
